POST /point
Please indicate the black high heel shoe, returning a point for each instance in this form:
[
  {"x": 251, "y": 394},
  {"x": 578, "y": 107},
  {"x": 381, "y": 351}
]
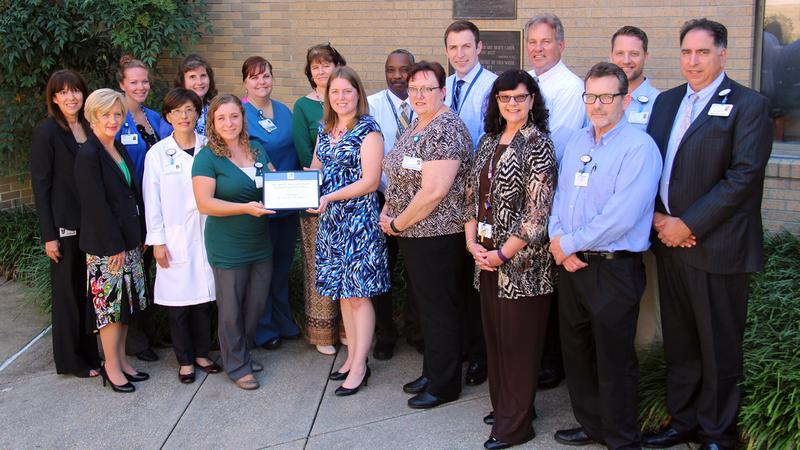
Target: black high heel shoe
[
  {"x": 139, "y": 376},
  {"x": 339, "y": 376},
  {"x": 124, "y": 388},
  {"x": 342, "y": 391}
]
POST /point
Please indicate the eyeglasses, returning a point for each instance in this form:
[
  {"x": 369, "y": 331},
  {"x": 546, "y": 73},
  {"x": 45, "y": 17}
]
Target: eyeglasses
[
  {"x": 423, "y": 91},
  {"x": 591, "y": 99},
  {"x": 517, "y": 98},
  {"x": 183, "y": 112}
]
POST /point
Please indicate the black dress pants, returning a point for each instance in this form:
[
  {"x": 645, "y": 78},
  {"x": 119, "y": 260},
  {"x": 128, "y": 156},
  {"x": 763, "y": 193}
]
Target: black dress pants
[
  {"x": 74, "y": 344},
  {"x": 190, "y": 328},
  {"x": 599, "y": 308},
  {"x": 141, "y": 330},
  {"x": 434, "y": 265},
  {"x": 474, "y": 346},
  {"x": 703, "y": 317}
]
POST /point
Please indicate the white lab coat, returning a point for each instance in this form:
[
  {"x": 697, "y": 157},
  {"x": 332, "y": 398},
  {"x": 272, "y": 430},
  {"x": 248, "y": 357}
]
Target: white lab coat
[{"x": 173, "y": 219}]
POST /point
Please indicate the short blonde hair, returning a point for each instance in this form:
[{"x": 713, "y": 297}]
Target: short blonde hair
[{"x": 101, "y": 101}]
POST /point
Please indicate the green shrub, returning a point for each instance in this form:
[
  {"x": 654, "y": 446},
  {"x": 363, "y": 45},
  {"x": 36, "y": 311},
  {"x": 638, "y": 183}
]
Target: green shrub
[
  {"x": 770, "y": 412},
  {"x": 38, "y": 37}
]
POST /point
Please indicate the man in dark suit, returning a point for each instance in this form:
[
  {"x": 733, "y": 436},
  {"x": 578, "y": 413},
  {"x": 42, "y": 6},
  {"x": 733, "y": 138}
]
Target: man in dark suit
[{"x": 715, "y": 136}]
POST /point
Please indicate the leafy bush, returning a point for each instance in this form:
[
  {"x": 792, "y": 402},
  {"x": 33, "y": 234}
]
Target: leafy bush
[
  {"x": 38, "y": 37},
  {"x": 22, "y": 255},
  {"x": 770, "y": 413}
]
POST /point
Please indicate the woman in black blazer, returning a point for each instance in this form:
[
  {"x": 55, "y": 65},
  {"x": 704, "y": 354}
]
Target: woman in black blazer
[
  {"x": 56, "y": 140},
  {"x": 112, "y": 234}
]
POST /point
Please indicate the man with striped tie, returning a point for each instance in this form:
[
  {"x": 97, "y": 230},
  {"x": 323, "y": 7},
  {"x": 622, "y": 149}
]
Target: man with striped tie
[{"x": 392, "y": 110}]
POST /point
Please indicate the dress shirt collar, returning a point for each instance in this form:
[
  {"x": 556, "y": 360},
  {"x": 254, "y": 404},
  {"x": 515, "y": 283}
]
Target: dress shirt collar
[
  {"x": 552, "y": 72},
  {"x": 644, "y": 89},
  {"x": 704, "y": 94},
  {"x": 396, "y": 101},
  {"x": 471, "y": 74},
  {"x": 609, "y": 134}
]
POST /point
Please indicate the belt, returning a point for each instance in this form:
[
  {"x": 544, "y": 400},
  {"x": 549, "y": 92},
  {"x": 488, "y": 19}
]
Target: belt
[{"x": 619, "y": 254}]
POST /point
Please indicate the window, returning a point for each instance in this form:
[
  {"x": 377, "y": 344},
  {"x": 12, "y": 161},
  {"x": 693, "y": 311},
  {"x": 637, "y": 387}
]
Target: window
[{"x": 780, "y": 69}]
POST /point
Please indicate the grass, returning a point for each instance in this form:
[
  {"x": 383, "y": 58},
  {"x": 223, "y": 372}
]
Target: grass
[{"x": 769, "y": 417}]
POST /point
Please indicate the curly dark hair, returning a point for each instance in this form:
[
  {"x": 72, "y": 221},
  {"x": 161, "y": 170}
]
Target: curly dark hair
[{"x": 509, "y": 80}]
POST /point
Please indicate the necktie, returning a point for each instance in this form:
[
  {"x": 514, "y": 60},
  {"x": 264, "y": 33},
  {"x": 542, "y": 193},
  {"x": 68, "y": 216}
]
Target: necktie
[
  {"x": 404, "y": 119},
  {"x": 686, "y": 120},
  {"x": 457, "y": 94}
]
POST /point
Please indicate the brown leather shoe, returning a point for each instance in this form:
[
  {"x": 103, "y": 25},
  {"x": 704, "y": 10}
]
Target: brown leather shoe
[{"x": 247, "y": 385}]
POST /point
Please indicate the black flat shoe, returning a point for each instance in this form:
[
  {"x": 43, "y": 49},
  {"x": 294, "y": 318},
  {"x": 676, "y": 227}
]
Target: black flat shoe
[
  {"x": 573, "y": 436},
  {"x": 137, "y": 377},
  {"x": 272, "y": 344},
  {"x": 495, "y": 444},
  {"x": 147, "y": 355},
  {"x": 126, "y": 388},
  {"x": 549, "y": 379},
  {"x": 342, "y": 391},
  {"x": 666, "y": 437},
  {"x": 426, "y": 400},
  {"x": 87, "y": 373},
  {"x": 417, "y": 386},
  {"x": 476, "y": 374},
  {"x": 211, "y": 368},
  {"x": 489, "y": 420},
  {"x": 186, "y": 378},
  {"x": 714, "y": 446}
]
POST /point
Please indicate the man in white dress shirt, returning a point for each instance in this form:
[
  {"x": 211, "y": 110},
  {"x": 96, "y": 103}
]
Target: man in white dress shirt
[
  {"x": 468, "y": 87},
  {"x": 562, "y": 89},
  {"x": 629, "y": 52},
  {"x": 392, "y": 110}
]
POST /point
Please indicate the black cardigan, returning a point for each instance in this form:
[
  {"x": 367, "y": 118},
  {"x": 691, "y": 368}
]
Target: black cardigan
[
  {"x": 112, "y": 212},
  {"x": 53, "y": 153}
]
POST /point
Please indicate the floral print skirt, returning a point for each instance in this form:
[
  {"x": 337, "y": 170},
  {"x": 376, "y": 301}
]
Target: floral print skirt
[{"x": 116, "y": 296}]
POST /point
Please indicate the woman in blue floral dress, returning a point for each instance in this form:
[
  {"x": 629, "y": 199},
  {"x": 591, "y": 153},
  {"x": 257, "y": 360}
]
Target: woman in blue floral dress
[{"x": 351, "y": 250}]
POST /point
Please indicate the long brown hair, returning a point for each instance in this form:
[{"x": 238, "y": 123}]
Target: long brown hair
[
  {"x": 362, "y": 108},
  {"x": 70, "y": 80},
  {"x": 215, "y": 141}
]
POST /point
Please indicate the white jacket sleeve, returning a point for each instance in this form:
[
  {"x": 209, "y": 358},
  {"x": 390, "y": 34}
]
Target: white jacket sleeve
[{"x": 151, "y": 191}]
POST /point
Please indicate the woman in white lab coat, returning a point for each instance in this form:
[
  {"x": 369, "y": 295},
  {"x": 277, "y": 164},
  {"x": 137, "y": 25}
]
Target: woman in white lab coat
[{"x": 184, "y": 281}]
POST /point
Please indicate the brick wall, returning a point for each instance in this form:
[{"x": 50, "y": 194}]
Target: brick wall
[
  {"x": 365, "y": 31},
  {"x": 15, "y": 190},
  {"x": 781, "y": 205}
]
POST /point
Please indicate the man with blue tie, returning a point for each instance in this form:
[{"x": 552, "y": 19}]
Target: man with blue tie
[
  {"x": 715, "y": 136},
  {"x": 599, "y": 226},
  {"x": 466, "y": 92},
  {"x": 391, "y": 109},
  {"x": 629, "y": 52}
]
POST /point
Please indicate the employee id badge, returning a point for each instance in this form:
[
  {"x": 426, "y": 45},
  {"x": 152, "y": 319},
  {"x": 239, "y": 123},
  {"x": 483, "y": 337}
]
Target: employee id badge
[
  {"x": 171, "y": 169},
  {"x": 259, "y": 181},
  {"x": 63, "y": 232},
  {"x": 129, "y": 139},
  {"x": 268, "y": 125},
  {"x": 720, "y": 110},
  {"x": 582, "y": 179},
  {"x": 639, "y": 118},
  {"x": 484, "y": 230},
  {"x": 412, "y": 163}
]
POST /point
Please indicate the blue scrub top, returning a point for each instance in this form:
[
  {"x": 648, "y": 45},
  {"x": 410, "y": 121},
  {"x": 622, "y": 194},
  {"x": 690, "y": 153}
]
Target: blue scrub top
[
  {"x": 278, "y": 143},
  {"x": 137, "y": 152}
]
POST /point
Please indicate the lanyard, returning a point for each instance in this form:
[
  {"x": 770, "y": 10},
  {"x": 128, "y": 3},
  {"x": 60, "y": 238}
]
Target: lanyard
[
  {"x": 463, "y": 99},
  {"x": 394, "y": 111},
  {"x": 488, "y": 202}
]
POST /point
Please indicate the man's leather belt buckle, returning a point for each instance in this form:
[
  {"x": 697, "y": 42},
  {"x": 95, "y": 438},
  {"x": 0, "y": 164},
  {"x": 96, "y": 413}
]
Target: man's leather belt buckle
[{"x": 586, "y": 256}]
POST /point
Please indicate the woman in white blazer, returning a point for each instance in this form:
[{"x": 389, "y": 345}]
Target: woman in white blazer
[{"x": 184, "y": 281}]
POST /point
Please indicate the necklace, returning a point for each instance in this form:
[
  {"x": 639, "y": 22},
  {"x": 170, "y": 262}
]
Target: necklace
[{"x": 337, "y": 133}]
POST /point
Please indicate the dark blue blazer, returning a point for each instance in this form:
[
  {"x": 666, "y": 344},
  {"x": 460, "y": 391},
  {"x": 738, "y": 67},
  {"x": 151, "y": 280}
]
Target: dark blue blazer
[{"x": 717, "y": 178}]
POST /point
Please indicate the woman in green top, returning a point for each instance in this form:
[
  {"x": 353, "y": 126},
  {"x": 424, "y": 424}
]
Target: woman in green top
[
  {"x": 237, "y": 234},
  {"x": 321, "y": 314}
]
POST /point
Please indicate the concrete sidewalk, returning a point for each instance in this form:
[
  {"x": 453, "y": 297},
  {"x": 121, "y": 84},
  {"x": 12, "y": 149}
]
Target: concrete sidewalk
[{"x": 294, "y": 409}]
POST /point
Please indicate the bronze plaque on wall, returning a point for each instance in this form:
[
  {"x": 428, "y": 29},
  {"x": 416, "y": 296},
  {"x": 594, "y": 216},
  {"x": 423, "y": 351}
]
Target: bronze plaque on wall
[
  {"x": 484, "y": 9},
  {"x": 502, "y": 50}
]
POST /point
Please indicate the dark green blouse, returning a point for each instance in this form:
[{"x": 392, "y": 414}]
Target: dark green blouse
[{"x": 306, "y": 117}]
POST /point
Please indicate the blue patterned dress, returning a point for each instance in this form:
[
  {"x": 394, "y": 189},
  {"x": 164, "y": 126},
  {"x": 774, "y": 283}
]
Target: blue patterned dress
[{"x": 351, "y": 249}]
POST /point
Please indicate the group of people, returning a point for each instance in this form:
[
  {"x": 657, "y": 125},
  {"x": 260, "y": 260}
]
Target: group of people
[{"x": 521, "y": 204}]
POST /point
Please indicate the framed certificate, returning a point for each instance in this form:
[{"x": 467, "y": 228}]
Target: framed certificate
[{"x": 297, "y": 189}]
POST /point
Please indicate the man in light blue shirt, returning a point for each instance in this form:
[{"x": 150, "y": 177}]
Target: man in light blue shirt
[
  {"x": 468, "y": 87},
  {"x": 599, "y": 227},
  {"x": 629, "y": 52},
  {"x": 391, "y": 108}
]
